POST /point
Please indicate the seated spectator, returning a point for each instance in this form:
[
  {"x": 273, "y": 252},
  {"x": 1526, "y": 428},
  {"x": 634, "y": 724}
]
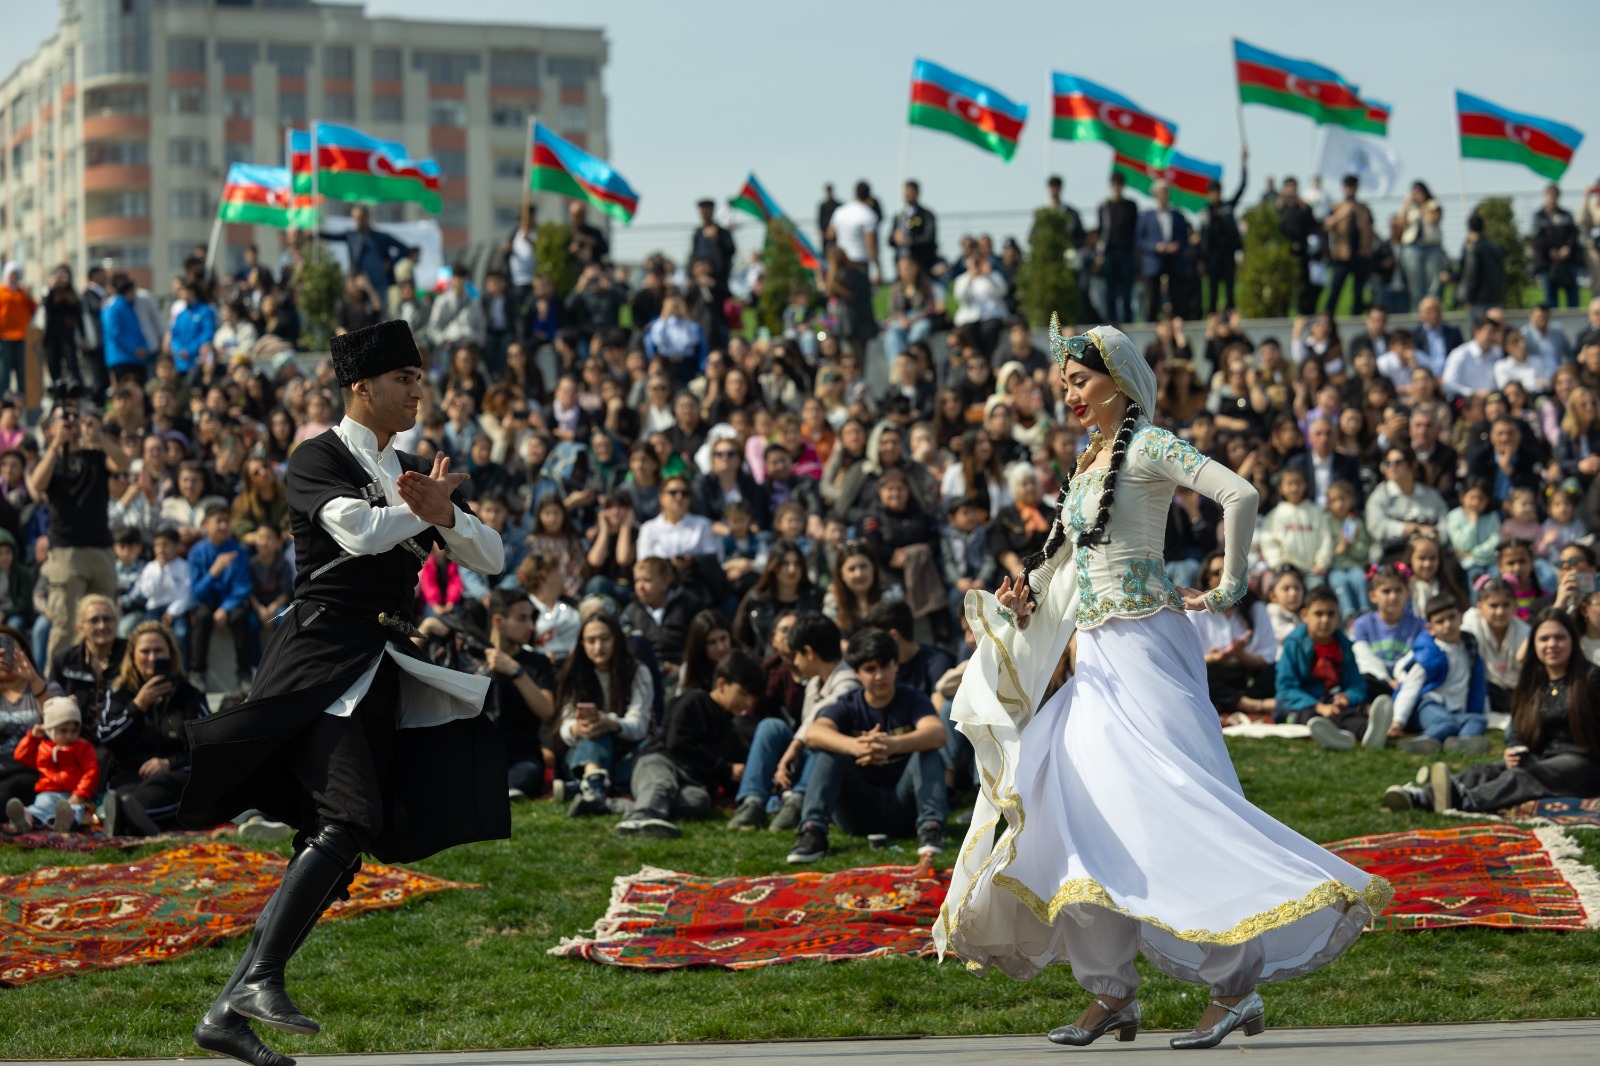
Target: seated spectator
[
  {"x": 1319, "y": 682},
  {"x": 521, "y": 699},
  {"x": 1563, "y": 527},
  {"x": 556, "y": 533},
  {"x": 707, "y": 640},
  {"x": 784, "y": 586},
  {"x": 142, "y": 730},
  {"x": 1514, "y": 561},
  {"x": 219, "y": 590},
  {"x": 1493, "y": 622},
  {"x": 555, "y": 621},
  {"x": 1297, "y": 532},
  {"x": 675, "y": 534},
  {"x": 856, "y": 584},
  {"x": 660, "y": 612},
  {"x": 1442, "y": 687},
  {"x": 1472, "y": 531},
  {"x": 603, "y": 699},
  {"x": 22, "y": 694},
  {"x": 879, "y": 767},
  {"x": 1432, "y": 574},
  {"x": 1352, "y": 550},
  {"x": 742, "y": 550},
  {"x": 1552, "y": 747},
  {"x": 128, "y": 548},
  {"x": 1505, "y": 462},
  {"x": 271, "y": 578},
  {"x": 1384, "y": 634},
  {"x": 439, "y": 583},
  {"x": 262, "y": 500},
  {"x": 185, "y": 511},
  {"x": 1020, "y": 529},
  {"x": 697, "y": 751},
  {"x": 69, "y": 772},
  {"x": 903, "y": 537},
  {"x": 1240, "y": 650},
  {"x": 162, "y": 592},
  {"x": 1286, "y": 599},
  {"x": 1402, "y": 506},
  {"x": 964, "y": 550},
  {"x": 84, "y": 670},
  {"x": 920, "y": 665}
]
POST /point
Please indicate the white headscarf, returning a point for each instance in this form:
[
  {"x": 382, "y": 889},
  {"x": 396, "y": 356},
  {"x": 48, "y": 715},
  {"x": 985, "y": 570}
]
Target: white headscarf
[
  {"x": 12, "y": 267},
  {"x": 1125, "y": 362}
]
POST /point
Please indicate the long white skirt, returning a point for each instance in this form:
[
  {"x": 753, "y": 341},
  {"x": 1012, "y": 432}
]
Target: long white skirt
[{"x": 1125, "y": 799}]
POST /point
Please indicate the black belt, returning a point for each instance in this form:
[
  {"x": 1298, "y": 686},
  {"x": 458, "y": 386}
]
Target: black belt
[{"x": 390, "y": 620}]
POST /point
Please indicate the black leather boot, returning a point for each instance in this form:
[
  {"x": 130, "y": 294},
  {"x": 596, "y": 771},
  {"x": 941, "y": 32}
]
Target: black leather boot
[
  {"x": 313, "y": 878},
  {"x": 227, "y": 1033}
]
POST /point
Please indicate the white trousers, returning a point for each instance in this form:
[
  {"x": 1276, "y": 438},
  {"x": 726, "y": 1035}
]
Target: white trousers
[{"x": 1102, "y": 954}]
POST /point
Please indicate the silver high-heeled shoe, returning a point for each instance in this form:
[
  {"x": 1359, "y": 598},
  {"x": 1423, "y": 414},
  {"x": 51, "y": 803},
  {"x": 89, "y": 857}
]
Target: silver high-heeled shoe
[
  {"x": 1124, "y": 1021},
  {"x": 1249, "y": 1014}
]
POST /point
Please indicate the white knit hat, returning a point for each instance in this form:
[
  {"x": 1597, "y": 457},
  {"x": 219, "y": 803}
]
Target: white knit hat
[{"x": 59, "y": 710}]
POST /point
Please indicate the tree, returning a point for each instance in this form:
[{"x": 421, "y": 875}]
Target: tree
[
  {"x": 321, "y": 288},
  {"x": 553, "y": 259},
  {"x": 1045, "y": 281},
  {"x": 1266, "y": 278},
  {"x": 1500, "y": 226},
  {"x": 783, "y": 274}
]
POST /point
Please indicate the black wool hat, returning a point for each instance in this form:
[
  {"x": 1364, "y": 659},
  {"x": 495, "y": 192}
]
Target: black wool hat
[{"x": 373, "y": 350}]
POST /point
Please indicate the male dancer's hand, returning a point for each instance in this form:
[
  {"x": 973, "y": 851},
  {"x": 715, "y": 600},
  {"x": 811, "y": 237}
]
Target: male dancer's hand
[{"x": 428, "y": 495}]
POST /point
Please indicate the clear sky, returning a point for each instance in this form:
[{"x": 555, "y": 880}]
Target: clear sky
[{"x": 702, "y": 92}]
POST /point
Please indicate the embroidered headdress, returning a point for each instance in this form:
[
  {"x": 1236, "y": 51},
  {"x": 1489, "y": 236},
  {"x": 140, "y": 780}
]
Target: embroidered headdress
[{"x": 1107, "y": 350}]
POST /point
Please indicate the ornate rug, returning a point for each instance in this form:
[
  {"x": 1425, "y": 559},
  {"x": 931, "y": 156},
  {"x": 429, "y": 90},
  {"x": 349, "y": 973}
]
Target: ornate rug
[
  {"x": 82, "y": 843},
  {"x": 60, "y": 920},
  {"x": 660, "y": 919},
  {"x": 1568, "y": 811},
  {"x": 1497, "y": 875}
]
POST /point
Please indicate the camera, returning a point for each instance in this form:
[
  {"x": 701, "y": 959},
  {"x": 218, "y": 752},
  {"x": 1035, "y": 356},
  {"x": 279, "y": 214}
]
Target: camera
[{"x": 162, "y": 666}]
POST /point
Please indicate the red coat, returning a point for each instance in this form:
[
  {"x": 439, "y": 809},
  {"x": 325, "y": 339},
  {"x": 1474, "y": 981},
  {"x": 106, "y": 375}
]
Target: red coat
[{"x": 73, "y": 768}]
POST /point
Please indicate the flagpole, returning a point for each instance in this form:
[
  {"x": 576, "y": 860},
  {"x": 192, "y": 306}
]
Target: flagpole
[
  {"x": 1461, "y": 178},
  {"x": 1239, "y": 107},
  {"x": 527, "y": 175},
  {"x": 211, "y": 245},
  {"x": 316, "y": 164}
]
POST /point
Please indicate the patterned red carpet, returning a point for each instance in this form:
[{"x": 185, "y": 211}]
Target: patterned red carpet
[
  {"x": 60, "y": 920},
  {"x": 83, "y": 843},
  {"x": 1497, "y": 875},
  {"x": 659, "y": 919}
]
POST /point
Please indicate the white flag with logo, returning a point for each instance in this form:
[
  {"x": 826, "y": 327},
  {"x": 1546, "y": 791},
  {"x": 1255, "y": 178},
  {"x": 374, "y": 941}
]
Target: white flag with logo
[{"x": 1370, "y": 159}]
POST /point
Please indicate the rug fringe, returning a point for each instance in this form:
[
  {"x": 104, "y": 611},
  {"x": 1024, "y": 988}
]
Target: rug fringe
[{"x": 1566, "y": 855}]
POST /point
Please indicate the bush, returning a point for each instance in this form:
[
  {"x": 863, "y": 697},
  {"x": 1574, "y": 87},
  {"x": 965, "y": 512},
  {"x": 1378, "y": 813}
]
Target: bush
[
  {"x": 1266, "y": 278},
  {"x": 1045, "y": 281},
  {"x": 1500, "y": 226},
  {"x": 321, "y": 289},
  {"x": 552, "y": 258},
  {"x": 783, "y": 273}
]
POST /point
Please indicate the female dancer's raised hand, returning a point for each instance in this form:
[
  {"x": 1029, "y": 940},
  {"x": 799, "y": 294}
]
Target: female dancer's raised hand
[{"x": 1014, "y": 596}]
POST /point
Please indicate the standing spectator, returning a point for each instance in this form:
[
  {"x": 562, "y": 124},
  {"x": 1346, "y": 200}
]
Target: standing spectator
[
  {"x": 1435, "y": 338},
  {"x": 1556, "y": 250},
  {"x": 16, "y": 312},
  {"x": 980, "y": 293},
  {"x": 456, "y": 318},
  {"x": 500, "y": 323},
  {"x": 1305, "y": 243},
  {"x": 193, "y": 328},
  {"x": 1470, "y": 368},
  {"x": 1421, "y": 243},
  {"x": 359, "y": 306},
  {"x": 521, "y": 261},
  {"x": 713, "y": 243},
  {"x": 913, "y": 306},
  {"x": 916, "y": 232},
  {"x": 1220, "y": 241},
  {"x": 1548, "y": 344},
  {"x": 1351, "y": 243},
  {"x": 1162, "y": 235},
  {"x": 93, "y": 355},
  {"x": 73, "y": 477},
  {"x": 850, "y": 295},
  {"x": 853, "y": 228},
  {"x": 1118, "y": 219},
  {"x": 678, "y": 339},
  {"x": 588, "y": 244},
  {"x": 63, "y": 325},
  {"x": 371, "y": 252},
  {"x": 1483, "y": 271}
]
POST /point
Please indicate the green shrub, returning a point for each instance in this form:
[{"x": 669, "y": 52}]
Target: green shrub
[
  {"x": 1045, "y": 281},
  {"x": 321, "y": 288},
  {"x": 1500, "y": 226},
  {"x": 783, "y": 273},
  {"x": 1266, "y": 277},
  {"x": 552, "y": 258}
]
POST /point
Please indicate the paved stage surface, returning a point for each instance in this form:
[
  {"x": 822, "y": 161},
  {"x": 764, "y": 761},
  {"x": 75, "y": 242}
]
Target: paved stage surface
[{"x": 1486, "y": 1044}]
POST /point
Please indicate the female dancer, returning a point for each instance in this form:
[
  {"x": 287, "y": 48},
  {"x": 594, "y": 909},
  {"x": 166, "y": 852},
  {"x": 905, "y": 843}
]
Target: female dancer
[{"x": 1126, "y": 828}]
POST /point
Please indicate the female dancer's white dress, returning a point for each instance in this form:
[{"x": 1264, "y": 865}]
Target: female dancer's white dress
[{"x": 1124, "y": 826}]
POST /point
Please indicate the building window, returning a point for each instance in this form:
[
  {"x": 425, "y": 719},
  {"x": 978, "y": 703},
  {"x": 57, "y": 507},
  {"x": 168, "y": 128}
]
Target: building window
[
  {"x": 509, "y": 116},
  {"x": 238, "y": 152},
  {"x": 574, "y": 73},
  {"x": 453, "y": 213},
  {"x": 105, "y": 102},
  {"x": 237, "y": 57},
  {"x": 574, "y": 118},
  {"x": 292, "y": 107},
  {"x": 118, "y": 205},
  {"x": 388, "y": 109},
  {"x": 178, "y": 253},
  {"x": 447, "y": 68},
  {"x": 186, "y": 101},
  {"x": 508, "y": 166},
  {"x": 186, "y": 152},
  {"x": 116, "y": 153},
  {"x": 119, "y": 256},
  {"x": 386, "y": 64},
  {"x": 388, "y": 212},
  {"x": 186, "y": 53},
  {"x": 339, "y": 105},
  {"x": 452, "y": 162},
  {"x": 519, "y": 69},
  {"x": 338, "y": 61},
  {"x": 238, "y": 105},
  {"x": 447, "y": 113},
  {"x": 506, "y": 215},
  {"x": 187, "y": 203},
  {"x": 292, "y": 60}
]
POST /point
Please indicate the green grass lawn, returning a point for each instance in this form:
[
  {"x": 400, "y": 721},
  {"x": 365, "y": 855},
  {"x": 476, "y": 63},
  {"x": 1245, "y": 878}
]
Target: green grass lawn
[{"x": 464, "y": 970}]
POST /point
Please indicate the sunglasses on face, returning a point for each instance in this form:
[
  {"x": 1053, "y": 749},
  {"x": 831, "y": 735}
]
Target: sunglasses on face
[
  {"x": 674, "y": 492},
  {"x": 726, "y": 455}
]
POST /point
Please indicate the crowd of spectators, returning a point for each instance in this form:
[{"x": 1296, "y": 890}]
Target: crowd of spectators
[{"x": 733, "y": 565}]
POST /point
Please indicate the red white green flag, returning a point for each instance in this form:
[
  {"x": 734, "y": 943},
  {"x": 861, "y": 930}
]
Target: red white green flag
[
  {"x": 1308, "y": 88},
  {"x": 753, "y": 199},
  {"x": 944, "y": 100},
  {"x": 352, "y": 166},
  {"x": 261, "y": 196},
  {"x": 1187, "y": 178},
  {"x": 1085, "y": 111},
  {"x": 559, "y": 166},
  {"x": 1489, "y": 131}
]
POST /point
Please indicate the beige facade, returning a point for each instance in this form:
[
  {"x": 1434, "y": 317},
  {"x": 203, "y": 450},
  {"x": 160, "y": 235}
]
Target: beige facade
[{"x": 118, "y": 131}]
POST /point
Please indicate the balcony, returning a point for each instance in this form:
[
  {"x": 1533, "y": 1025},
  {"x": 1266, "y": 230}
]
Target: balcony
[
  {"x": 115, "y": 127},
  {"x": 116, "y": 177},
  {"x": 99, "y": 230}
]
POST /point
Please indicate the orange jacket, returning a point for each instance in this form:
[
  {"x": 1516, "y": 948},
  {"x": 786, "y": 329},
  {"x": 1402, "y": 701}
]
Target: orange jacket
[
  {"x": 73, "y": 768},
  {"x": 16, "y": 311}
]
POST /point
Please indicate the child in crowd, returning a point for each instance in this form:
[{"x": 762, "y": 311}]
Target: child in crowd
[
  {"x": 219, "y": 583},
  {"x": 1286, "y": 598},
  {"x": 439, "y": 584},
  {"x": 128, "y": 547},
  {"x": 69, "y": 772},
  {"x": 1515, "y": 561},
  {"x": 1500, "y": 634},
  {"x": 789, "y": 526},
  {"x": 1473, "y": 531},
  {"x": 16, "y": 585},
  {"x": 1384, "y": 634},
  {"x": 1563, "y": 527},
  {"x": 271, "y": 576},
  {"x": 1297, "y": 532},
  {"x": 1352, "y": 548},
  {"x": 826, "y": 551},
  {"x": 1442, "y": 687},
  {"x": 1522, "y": 523},
  {"x": 1319, "y": 682},
  {"x": 659, "y": 613},
  {"x": 742, "y": 550},
  {"x": 964, "y": 550},
  {"x": 1431, "y": 575},
  {"x": 163, "y": 588},
  {"x": 553, "y": 532}
]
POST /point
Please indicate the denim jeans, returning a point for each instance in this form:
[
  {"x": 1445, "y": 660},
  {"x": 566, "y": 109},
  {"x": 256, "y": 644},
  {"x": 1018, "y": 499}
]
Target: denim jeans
[
  {"x": 1349, "y": 583},
  {"x": 772, "y": 739},
  {"x": 43, "y": 807},
  {"x": 1441, "y": 723},
  {"x": 840, "y": 793},
  {"x": 1552, "y": 290},
  {"x": 897, "y": 339},
  {"x": 601, "y": 751}
]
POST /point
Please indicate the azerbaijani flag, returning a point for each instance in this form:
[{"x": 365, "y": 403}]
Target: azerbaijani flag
[
  {"x": 1085, "y": 111},
  {"x": 944, "y": 100},
  {"x": 1305, "y": 87},
  {"x": 1185, "y": 176},
  {"x": 353, "y": 166},
  {"x": 260, "y": 196},
  {"x": 561, "y": 167},
  {"x": 1488, "y": 131},
  {"x": 753, "y": 199}
]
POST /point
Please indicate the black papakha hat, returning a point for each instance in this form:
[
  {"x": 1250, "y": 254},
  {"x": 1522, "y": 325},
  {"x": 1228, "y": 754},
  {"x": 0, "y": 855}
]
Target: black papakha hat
[{"x": 373, "y": 350}]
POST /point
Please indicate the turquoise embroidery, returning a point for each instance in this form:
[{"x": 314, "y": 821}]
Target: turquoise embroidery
[
  {"x": 1077, "y": 497},
  {"x": 1222, "y": 597},
  {"x": 1144, "y": 587},
  {"x": 1159, "y": 444}
]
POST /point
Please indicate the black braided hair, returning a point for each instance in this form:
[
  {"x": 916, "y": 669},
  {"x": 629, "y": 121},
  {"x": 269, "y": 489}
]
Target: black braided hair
[{"x": 1096, "y": 534}]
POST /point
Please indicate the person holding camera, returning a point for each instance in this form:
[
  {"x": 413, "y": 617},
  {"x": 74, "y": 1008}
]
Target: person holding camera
[
  {"x": 142, "y": 731},
  {"x": 73, "y": 478}
]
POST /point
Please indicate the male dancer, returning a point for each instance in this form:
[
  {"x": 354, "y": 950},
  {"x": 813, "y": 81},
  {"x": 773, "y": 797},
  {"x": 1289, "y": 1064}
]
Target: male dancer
[{"x": 329, "y": 740}]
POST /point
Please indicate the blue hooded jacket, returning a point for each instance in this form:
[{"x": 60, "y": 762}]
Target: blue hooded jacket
[
  {"x": 1425, "y": 652},
  {"x": 1297, "y": 697}
]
